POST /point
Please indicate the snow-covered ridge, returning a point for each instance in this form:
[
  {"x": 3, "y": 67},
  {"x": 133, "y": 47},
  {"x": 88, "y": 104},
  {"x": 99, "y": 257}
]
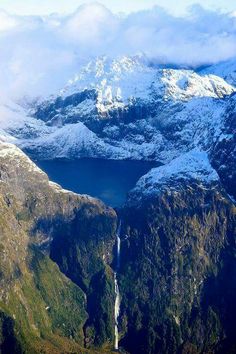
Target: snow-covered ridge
[
  {"x": 138, "y": 112},
  {"x": 120, "y": 81},
  {"x": 225, "y": 70},
  {"x": 7, "y": 150},
  {"x": 13, "y": 155},
  {"x": 165, "y": 115},
  {"x": 193, "y": 165},
  {"x": 15, "y": 123}
]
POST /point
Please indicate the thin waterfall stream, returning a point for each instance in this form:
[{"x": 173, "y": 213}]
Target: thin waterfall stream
[{"x": 117, "y": 292}]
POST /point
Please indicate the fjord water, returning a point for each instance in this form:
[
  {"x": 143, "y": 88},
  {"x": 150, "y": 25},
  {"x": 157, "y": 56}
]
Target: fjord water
[{"x": 108, "y": 180}]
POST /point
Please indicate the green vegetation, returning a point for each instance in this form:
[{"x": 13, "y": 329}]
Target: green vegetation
[
  {"x": 46, "y": 305},
  {"x": 178, "y": 273},
  {"x": 45, "y": 302}
]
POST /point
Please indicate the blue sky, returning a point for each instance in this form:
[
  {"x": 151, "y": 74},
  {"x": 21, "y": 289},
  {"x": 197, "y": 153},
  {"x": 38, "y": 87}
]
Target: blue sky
[{"x": 177, "y": 7}]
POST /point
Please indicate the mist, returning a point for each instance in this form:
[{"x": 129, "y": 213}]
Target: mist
[{"x": 38, "y": 55}]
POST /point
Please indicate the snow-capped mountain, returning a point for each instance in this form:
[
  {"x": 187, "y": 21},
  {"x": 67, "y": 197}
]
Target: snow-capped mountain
[
  {"x": 123, "y": 108},
  {"x": 226, "y": 70},
  {"x": 104, "y": 85},
  {"x": 126, "y": 109}
]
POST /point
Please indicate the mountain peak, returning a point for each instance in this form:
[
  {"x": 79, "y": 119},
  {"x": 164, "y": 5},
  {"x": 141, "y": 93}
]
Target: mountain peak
[{"x": 125, "y": 78}]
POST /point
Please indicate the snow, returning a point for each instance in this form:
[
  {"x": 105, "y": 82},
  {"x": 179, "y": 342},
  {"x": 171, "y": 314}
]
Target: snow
[
  {"x": 115, "y": 81},
  {"x": 66, "y": 141},
  {"x": 186, "y": 85},
  {"x": 15, "y": 123},
  {"x": 58, "y": 189},
  {"x": 13, "y": 155},
  {"x": 226, "y": 70},
  {"x": 188, "y": 112},
  {"x": 119, "y": 81},
  {"x": 193, "y": 165},
  {"x": 82, "y": 109},
  {"x": 9, "y": 149},
  {"x": 77, "y": 141}
]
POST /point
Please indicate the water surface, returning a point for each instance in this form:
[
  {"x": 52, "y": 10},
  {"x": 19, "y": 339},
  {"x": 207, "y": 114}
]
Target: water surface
[{"x": 108, "y": 180}]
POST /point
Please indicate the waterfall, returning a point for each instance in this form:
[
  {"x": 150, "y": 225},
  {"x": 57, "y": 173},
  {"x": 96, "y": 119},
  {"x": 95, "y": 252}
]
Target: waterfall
[
  {"x": 117, "y": 292},
  {"x": 118, "y": 247},
  {"x": 117, "y": 312}
]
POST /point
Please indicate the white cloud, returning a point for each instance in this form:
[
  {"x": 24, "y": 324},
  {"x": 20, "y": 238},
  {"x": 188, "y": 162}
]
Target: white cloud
[
  {"x": 7, "y": 22},
  {"x": 38, "y": 55},
  {"x": 90, "y": 22}
]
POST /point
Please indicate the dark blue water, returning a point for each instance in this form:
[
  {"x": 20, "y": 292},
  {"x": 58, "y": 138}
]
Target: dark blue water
[{"x": 108, "y": 180}]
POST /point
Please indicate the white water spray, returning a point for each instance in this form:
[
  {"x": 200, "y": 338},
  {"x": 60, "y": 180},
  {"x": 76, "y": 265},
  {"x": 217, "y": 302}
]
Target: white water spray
[
  {"x": 117, "y": 312},
  {"x": 117, "y": 292}
]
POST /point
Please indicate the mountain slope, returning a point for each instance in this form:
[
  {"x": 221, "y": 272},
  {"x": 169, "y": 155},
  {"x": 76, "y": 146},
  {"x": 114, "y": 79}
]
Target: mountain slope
[
  {"x": 42, "y": 310},
  {"x": 226, "y": 70},
  {"x": 177, "y": 268}
]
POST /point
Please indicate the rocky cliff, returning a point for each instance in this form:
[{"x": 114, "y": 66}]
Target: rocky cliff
[
  {"x": 177, "y": 276},
  {"x": 176, "y": 272},
  {"x": 55, "y": 247}
]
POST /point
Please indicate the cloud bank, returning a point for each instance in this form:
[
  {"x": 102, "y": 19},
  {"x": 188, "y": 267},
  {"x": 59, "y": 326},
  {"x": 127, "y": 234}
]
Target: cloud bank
[{"x": 39, "y": 54}]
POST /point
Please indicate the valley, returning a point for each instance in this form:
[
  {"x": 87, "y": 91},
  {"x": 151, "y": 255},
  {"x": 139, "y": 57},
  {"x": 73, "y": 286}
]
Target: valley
[
  {"x": 107, "y": 180},
  {"x": 118, "y": 216}
]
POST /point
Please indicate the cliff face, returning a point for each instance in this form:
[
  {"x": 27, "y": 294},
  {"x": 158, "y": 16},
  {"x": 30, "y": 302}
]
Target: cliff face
[
  {"x": 45, "y": 306},
  {"x": 177, "y": 276},
  {"x": 223, "y": 154}
]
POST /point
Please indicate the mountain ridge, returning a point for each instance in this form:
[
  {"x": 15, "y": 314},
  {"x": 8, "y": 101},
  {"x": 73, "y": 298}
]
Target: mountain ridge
[{"x": 123, "y": 109}]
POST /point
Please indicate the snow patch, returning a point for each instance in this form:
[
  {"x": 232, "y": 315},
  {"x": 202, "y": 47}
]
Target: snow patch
[{"x": 193, "y": 165}]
